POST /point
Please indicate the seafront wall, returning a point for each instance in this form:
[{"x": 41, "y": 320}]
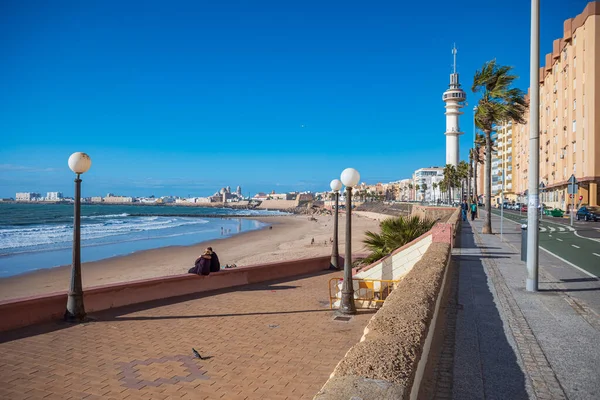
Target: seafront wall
[
  {"x": 16, "y": 313},
  {"x": 395, "y": 357}
]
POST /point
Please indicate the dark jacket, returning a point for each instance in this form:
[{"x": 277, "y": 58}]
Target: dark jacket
[
  {"x": 201, "y": 266},
  {"x": 215, "y": 265},
  {"x": 465, "y": 206}
]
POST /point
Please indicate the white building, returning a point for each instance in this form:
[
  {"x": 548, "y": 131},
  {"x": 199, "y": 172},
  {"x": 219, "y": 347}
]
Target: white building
[
  {"x": 54, "y": 196},
  {"x": 26, "y": 196},
  {"x": 454, "y": 98},
  {"x": 426, "y": 178}
]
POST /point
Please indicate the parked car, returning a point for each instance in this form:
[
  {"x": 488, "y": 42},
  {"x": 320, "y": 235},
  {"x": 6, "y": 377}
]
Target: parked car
[
  {"x": 588, "y": 213},
  {"x": 517, "y": 206},
  {"x": 557, "y": 212},
  {"x": 523, "y": 207}
]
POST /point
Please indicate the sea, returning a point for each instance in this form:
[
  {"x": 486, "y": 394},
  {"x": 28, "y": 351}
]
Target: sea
[{"x": 37, "y": 236}]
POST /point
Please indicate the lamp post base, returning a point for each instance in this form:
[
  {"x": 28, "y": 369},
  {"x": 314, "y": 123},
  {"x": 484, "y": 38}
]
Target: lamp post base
[
  {"x": 75, "y": 311},
  {"x": 333, "y": 264},
  {"x": 347, "y": 306}
]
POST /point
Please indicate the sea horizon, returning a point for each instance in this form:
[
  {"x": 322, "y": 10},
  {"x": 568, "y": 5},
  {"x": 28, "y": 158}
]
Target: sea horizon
[{"x": 39, "y": 236}]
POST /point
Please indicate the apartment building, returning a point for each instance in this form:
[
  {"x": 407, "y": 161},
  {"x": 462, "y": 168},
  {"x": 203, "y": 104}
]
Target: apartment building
[
  {"x": 569, "y": 122},
  {"x": 54, "y": 196},
  {"x": 428, "y": 180},
  {"x": 27, "y": 196},
  {"x": 502, "y": 164}
]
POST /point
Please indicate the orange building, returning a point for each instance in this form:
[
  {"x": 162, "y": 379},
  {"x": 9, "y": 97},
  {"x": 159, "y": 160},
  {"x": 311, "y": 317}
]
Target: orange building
[{"x": 569, "y": 121}]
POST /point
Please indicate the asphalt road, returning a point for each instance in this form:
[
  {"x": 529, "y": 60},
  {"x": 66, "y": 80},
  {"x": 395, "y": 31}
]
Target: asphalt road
[{"x": 579, "y": 245}]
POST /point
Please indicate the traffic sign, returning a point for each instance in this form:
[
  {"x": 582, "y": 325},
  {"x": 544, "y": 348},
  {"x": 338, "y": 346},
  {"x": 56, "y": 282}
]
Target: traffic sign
[
  {"x": 572, "y": 180},
  {"x": 571, "y": 195},
  {"x": 580, "y": 198},
  {"x": 573, "y": 188}
]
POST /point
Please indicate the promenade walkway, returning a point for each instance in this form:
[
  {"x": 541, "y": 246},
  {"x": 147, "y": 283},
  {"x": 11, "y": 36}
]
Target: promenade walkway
[
  {"x": 263, "y": 341},
  {"x": 503, "y": 342}
]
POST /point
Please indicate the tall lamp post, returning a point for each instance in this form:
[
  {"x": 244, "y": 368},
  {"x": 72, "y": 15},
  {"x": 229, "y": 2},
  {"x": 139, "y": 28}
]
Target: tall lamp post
[
  {"x": 335, "y": 185},
  {"x": 79, "y": 163},
  {"x": 531, "y": 284},
  {"x": 349, "y": 178}
]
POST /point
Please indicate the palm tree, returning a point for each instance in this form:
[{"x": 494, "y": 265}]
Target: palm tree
[
  {"x": 410, "y": 187},
  {"x": 462, "y": 173},
  {"x": 450, "y": 179},
  {"x": 443, "y": 187},
  {"x": 417, "y": 188},
  {"x": 395, "y": 233},
  {"x": 499, "y": 102},
  {"x": 424, "y": 190},
  {"x": 434, "y": 186}
]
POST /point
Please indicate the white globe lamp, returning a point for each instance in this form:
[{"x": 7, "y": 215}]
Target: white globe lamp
[
  {"x": 350, "y": 177},
  {"x": 336, "y": 185},
  {"x": 80, "y": 162}
]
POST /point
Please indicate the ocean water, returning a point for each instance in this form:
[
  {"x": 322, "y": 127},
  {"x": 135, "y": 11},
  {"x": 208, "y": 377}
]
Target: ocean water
[{"x": 36, "y": 236}]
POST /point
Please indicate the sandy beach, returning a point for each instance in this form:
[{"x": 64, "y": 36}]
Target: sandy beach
[{"x": 290, "y": 238}]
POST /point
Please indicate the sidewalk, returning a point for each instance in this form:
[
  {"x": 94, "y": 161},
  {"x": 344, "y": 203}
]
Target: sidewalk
[{"x": 514, "y": 344}]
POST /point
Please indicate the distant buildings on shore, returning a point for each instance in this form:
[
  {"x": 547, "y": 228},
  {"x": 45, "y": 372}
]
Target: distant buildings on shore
[{"x": 222, "y": 196}]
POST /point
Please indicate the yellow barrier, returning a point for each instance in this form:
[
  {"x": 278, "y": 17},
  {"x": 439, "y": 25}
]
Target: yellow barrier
[{"x": 371, "y": 292}]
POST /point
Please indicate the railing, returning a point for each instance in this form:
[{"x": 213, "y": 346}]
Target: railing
[{"x": 368, "y": 293}]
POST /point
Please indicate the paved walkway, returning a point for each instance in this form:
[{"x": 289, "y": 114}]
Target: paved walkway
[
  {"x": 514, "y": 344},
  {"x": 275, "y": 341}
]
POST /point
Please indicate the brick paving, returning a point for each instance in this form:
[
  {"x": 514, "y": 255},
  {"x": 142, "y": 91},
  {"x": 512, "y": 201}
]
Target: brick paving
[{"x": 274, "y": 340}]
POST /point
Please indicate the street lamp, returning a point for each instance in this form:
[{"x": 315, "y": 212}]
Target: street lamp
[
  {"x": 79, "y": 163},
  {"x": 349, "y": 178},
  {"x": 335, "y": 185}
]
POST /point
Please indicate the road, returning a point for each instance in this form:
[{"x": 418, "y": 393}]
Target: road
[{"x": 578, "y": 245}]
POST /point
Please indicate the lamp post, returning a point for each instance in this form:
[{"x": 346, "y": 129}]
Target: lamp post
[
  {"x": 531, "y": 284},
  {"x": 335, "y": 185},
  {"x": 349, "y": 178},
  {"x": 75, "y": 312},
  {"x": 542, "y": 186}
]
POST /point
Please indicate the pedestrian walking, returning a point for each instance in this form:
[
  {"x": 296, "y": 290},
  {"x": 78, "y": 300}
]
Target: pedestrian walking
[
  {"x": 464, "y": 209},
  {"x": 473, "y": 210}
]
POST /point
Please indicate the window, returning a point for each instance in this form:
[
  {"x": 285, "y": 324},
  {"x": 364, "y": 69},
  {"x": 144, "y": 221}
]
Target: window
[
  {"x": 574, "y": 83},
  {"x": 574, "y": 125},
  {"x": 565, "y": 54},
  {"x": 574, "y": 40},
  {"x": 574, "y": 147},
  {"x": 574, "y": 62},
  {"x": 574, "y": 104}
]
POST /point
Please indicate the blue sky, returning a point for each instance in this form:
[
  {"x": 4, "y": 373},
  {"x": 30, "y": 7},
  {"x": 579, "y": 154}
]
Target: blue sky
[{"x": 184, "y": 97}]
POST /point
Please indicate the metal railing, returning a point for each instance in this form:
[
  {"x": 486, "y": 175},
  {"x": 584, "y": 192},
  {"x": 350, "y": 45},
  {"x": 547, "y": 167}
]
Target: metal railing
[{"x": 368, "y": 293}]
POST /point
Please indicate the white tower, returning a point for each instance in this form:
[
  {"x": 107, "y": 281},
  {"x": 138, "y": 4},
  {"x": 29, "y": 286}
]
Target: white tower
[{"x": 454, "y": 98}]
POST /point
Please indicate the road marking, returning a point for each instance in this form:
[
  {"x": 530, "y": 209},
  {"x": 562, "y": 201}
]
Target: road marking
[
  {"x": 552, "y": 229},
  {"x": 549, "y": 235},
  {"x": 561, "y": 229},
  {"x": 571, "y": 229},
  {"x": 574, "y": 245},
  {"x": 596, "y": 254},
  {"x": 542, "y": 229},
  {"x": 570, "y": 263},
  {"x": 560, "y": 240}
]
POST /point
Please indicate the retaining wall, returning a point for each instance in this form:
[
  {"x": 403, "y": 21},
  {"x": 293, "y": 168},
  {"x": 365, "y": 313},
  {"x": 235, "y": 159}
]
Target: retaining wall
[{"x": 393, "y": 358}]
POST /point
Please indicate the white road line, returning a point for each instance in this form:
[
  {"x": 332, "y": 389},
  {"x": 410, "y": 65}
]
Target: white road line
[
  {"x": 571, "y": 229},
  {"x": 552, "y": 229},
  {"x": 560, "y": 240},
  {"x": 577, "y": 247},
  {"x": 542, "y": 229},
  {"x": 549, "y": 235},
  {"x": 570, "y": 263},
  {"x": 596, "y": 254},
  {"x": 561, "y": 229}
]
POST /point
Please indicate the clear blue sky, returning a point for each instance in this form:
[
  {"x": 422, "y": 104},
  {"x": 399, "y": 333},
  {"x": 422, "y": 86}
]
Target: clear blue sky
[{"x": 184, "y": 97}]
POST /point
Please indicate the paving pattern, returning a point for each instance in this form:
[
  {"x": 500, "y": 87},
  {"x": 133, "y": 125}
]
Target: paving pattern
[{"x": 275, "y": 341}]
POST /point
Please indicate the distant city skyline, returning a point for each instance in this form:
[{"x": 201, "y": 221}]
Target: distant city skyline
[{"x": 269, "y": 95}]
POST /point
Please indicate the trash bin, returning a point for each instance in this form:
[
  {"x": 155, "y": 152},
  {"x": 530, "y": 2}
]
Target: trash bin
[{"x": 524, "y": 242}]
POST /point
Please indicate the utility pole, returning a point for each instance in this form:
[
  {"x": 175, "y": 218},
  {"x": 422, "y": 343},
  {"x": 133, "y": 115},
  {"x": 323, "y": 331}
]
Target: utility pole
[{"x": 534, "y": 150}]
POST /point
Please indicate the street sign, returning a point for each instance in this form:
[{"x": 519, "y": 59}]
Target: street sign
[
  {"x": 571, "y": 195},
  {"x": 580, "y": 198},
  {"x": 573, "y": 188},
  {"x": 572, "y": 180}
]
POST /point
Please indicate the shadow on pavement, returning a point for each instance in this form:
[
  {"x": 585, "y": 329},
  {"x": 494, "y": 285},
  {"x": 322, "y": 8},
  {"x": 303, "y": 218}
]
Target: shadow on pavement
[
  {"x": 119, "y": 314},
  {"x": 485, "y": 364}
]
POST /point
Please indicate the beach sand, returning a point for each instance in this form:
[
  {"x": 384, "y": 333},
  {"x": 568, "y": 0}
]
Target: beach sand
[{"x": 290, "y": 238}]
